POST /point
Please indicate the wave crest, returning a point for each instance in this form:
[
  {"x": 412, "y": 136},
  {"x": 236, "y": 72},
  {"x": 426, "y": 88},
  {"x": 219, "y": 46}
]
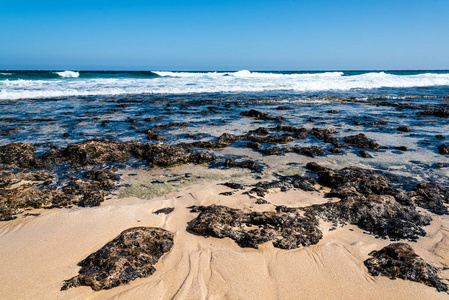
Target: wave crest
[{"x": 68, "y": 74}]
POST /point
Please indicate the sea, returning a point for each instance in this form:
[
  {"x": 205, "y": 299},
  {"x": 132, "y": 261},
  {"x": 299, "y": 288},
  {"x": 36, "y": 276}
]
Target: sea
[{"x": 52, "y": 109}]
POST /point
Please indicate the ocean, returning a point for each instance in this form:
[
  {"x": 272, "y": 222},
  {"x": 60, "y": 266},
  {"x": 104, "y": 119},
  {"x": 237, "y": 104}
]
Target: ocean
[{"x": 56, "y": 84}]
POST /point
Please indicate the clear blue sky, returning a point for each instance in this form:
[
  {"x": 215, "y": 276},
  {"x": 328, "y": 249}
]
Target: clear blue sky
[{"x": 224, "y": 35}]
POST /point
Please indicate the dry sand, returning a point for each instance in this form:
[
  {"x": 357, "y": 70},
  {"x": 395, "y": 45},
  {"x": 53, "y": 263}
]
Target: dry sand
[{"x": 38, "y": 252}]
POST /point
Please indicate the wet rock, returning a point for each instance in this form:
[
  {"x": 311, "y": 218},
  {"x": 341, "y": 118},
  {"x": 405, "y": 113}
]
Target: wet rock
[
  {"x": 210, "y": 145},
  {"x": 247, "y": 164},
  {"x": 261, "y": 131},
  {"x": 325, "y": 134},
  {"x": 438, "y": 112},
  {"x": 285, "y": 183},
  {"x": 90, "y": 152},
  {"x": 254, "y": 146},
  {"x": 165, "y": 211},
  {"x": 361, "y": 141},
  {"x": 283, "y": 107},
  {"x": 333, "y": 111},
  {"x": 364, "y": 154},
  {"x": 172, "y": 125},
  {"x": 286, "y": 230},
  {"x": 152, "y": 135},
  {"x": 66, "y": 135},
  {"x": 440, "y": 136},
  {"x": 404, "y": 129},
  {"x": 298, "y": 132},
  {"x": 102, "y": 174},
  {"x": 163, "y": 155},
  {"x": 369, "y": 202},
  {"x": 401, "y": 148},
  {"x": 431, "y": 196},
  {"x": 20, "y": 156},
  {"x": 9, "y": 131},
  {"x": 87, "y": 193},
  {"x": 379, "y": 214},
  {"x": 336, "y": 150},
  {"x": 227, "y": 193},
  {"x": 306, "y": 151},
  {"x": 443, "y": 149},
  {"x": 441, "y": 165},
  {"x": 398, "y": 260},
  {"x": 260, "y": 115},
  {"x": 129, "y": 256}
]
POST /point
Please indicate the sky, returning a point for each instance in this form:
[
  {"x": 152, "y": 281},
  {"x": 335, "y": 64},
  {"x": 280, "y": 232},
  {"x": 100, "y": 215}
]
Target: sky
[{"x": 224, "y": 35}]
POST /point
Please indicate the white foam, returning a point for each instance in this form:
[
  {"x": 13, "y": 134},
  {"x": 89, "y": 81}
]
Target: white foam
[
  {"x": 68, "y": 74},
  {"x": 210, "y": 82}
]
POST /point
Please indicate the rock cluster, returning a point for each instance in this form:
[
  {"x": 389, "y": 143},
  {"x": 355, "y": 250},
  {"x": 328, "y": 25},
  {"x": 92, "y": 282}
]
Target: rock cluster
[
  {"x": 398, "y": 260},
  {"x": 129, "y": 256},
  {"x": 286, "y": 229}
]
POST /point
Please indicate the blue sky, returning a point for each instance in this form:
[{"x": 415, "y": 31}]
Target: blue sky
[{"x": 224, "y": 35}]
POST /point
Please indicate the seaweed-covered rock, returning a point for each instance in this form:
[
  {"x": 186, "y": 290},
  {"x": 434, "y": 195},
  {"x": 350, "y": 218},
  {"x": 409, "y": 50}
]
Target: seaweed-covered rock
[
  {"x": 163, "y": 155},
  {"x": 101, "y": 174},
  {"x": 20, "y": 156},
  {"x": 361, "y": 141},
  {"x": 431, "y": 196},
  {"x": 379, "y": 214},
  {"x": 129, "y": 256},
  {"x": 398, "y": 260},
  {"x": 286, "y": 229},
  {"x": 438, "y": 112},
  {"x": 260, "y": 115},
  {"x": 91, "y": 152},
  {"x": 443, "y": 149},
  {"x": 247, "y": 164}
]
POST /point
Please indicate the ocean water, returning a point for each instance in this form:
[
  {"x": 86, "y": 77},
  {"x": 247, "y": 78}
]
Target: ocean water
[{"x": 16, "y": 85}]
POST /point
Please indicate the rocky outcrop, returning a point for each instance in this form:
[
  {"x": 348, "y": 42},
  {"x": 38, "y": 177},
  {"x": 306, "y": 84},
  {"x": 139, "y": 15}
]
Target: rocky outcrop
[
  {"x": 361, "y": 141},
  {"x": 431, "y": 196},
  {"x": 19, "y": 156},
  {"x": 252, "y": 113},
  {"x": 398, "y": 260},
  {"x": 286, "y": 229},
  {"x": 247, "y": 164},
  {"x": 129, "y": 256}
]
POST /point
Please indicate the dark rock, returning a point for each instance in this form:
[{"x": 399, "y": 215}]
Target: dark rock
[
  {"x": 438, "y": 112},
  {"x": 129, "y": 256},
  {"x": 431, "y": 196},
  {"x": 233, "y": 185},
  {"x": 102, "y": 174},
  {"x": 9, "y": 131},
  {"x": 287, "y": 230},
  {"x": 166, "y": 210},
  {"x": 247, "y": 164},
  {"x": 443, "y": 149},
  {"x": 260, "y": 115},
  {"x": 441, "y": 165},
  {"x": 364, "y": 154},
  {"x": 404, "y": 129},
  {"x": 261, "y": 131},
  {"x": 361, "y": 141},
  {"x": 298, "y": 132},
  {"x": 66, "y": 135},
  {"x": 227, "y": 193},
  {"x": 172, "y": 125},
  {"x": 440, "y": 136},
  {"x": 210, "y": 145},
  {"x": 335, "y": 150},
  {"x": 398, "y": 260},
  {"x": 401, "y": 148},
  {"x": 19, "y": 155},
  {"x": 333, "y": 111},
  {"x": 283, "y": 107}
]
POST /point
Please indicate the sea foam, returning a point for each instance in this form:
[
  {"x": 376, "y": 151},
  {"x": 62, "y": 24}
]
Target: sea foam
[{"x": 213, "y": 82}]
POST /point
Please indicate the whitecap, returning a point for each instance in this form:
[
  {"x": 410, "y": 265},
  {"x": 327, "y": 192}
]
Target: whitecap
[{"x": 68, "y": 74}]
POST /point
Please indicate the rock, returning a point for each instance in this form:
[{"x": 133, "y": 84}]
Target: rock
[
  {"x": 90, "y": 152},
  {"x": 9, "y": 131},
  {"x": 398, "y": 260},
  {"x": 210, "y": 145},
  {"x": 247, "y": 164},
  {"x": 129, "y": 256},
  {"x": 260, "y": 115},
  {"x": 165, "y": 211},
  {"x": 286, "y": 230},
  {"x": 438, "y": 112},
  {"x": 102, "y": 174},
  {"x": 443, "y": 149},
  {"x": 298, "y": 133},
  {"x": 172, "y": 125},
  {"x": 440, "y": 136},
  {"x": 20, "y": 156},
  {"x": 361, "y": 141},
  {"x": 333, "y": 111},
  {"x": 66, "y": 135},
  {"x": 261, "y": 131},
  {"x": 441, "y": 165},
  {"x": 401, "y": 148},
  {"x": 283, "y": 107},
  {"x": 364, "y": 154},
  {"x": 233, "y": 185},
  {"x": 431, "y": 196},
  {"x": 335, "y": 150},
  {"x": 306, "y": 151},
  {"x": 404, "y": 129}
]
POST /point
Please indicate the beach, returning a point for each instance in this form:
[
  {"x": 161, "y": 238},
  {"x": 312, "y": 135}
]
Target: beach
[{"x": 265, "y": 185}]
